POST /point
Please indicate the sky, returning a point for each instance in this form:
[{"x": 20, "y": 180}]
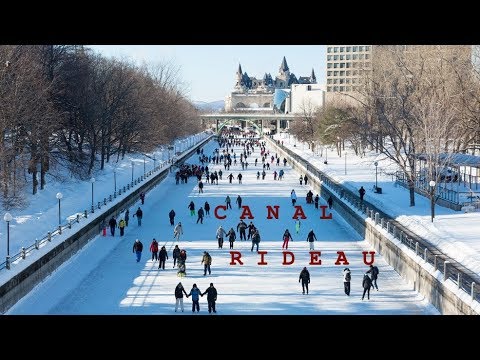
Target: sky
[
  {"x": 106, "y": 269},
  {"x": 208, "y": 71}
]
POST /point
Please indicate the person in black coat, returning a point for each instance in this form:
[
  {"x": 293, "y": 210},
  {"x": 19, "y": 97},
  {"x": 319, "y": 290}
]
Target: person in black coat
[
  {"x": 315, "y": 201},
  {"x": 179, "y": 291},
  {"x": 347, "y": 277},
  {"x": 330, "y": 202},
  {"x": 361, "y": 192},
  {"x": 305, "y": 279},
  {"x": 162, "y": 255},
  {"x": 366, "y": 284},
  {"x": 373, "y": 271},
  {"x": 211, "y": 298},
  {"x": 200, "y": 214},
  {"x": 113, "y": 224},
  {"x": 171, "y": 216},
  {"x": 207, "y": 208}
]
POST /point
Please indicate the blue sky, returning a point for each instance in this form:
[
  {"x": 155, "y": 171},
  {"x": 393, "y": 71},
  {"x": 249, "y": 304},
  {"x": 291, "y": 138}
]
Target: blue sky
[{"x": 209, "y": 70}]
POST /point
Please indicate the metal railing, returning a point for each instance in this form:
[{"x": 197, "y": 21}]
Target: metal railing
[{"x": 451, "y": 269}]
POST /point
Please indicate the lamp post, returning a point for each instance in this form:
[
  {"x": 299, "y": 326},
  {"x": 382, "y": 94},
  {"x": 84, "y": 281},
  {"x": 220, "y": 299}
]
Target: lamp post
[
  {"x": 345, "y": 163},
  {"x": 133, "y": 165},
  {"x": 115, "y": 180},
  {"x": 8, "y": 217},
  {"x": 432, "y": 197},
  {"x": 59, "y": 197},
  {"x": 92, "y": 180},
  {"x": 376, "y": 164},
  {"x": 144, "y": 165},
  {"x": 154, "y": 165}
]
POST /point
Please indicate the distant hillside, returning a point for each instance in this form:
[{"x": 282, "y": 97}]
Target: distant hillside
[{"x": 214, "y": 106}]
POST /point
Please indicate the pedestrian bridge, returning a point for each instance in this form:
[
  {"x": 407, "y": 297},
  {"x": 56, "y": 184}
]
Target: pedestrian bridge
[{"x": 260, "y": 121}]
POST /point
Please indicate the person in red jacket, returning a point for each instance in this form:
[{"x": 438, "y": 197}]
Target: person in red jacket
[
  {"x": 286, "y": 237},
  {"x": 154, "y": 249}
]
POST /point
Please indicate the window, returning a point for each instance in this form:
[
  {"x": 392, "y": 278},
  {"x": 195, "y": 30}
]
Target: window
[
  {"x": 347, "y": 81},
  {"x": 349, "y": 48},
  {"x": 329, "y": 73},
  {"x": 355, "y": 48},
  {"x": 342, "y": 73},
  {"x": 329, "y": 57},
  {"x": 347, "y": 73},
  {"x": 360, "y": 56},
  {"x": 360, "y": 48},
  {"x": 355, "y": 57},
  {"x": 342, "y": 49},
  {"x": 367, "y": 48},
  {"x": 329, "y": 88},
  {"x": 347, "y": 65},
  {"x": 342, "y": 57},
  {"x": 342, "y": 88},
  {"x": 329, "y": 65},
  {"x": 342, "y": 65},
  {"x": 367, "y": 56},
  {"x": 329, "y": 49},
  {"x": 335, "y": 57},
  {"x": 342, "y": 81},
  {"x": 335, "y": 88},
  {"x": 335, "y": 73},
  {"x": 335, "y": 81},
  {"x": 348, "y": 56},
  {"x": 329, "y": 81},
  {"x": 347, "y": 88},
  {"x": 335, "y": 65},
  {"x": 354, "y": 72},
  {"x": 335, "y": 49}
]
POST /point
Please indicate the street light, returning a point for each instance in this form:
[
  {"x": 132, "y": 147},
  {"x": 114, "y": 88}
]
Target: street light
[
  {"x": 8, "y": 217},
  {"x": 345, "y": 163},
  {"x": 143, "y": 165},
  {"x": 59, "y": 197},
  {"x": 92, "y": 180},
  {"x": 376, "y": 164},
  {"x": 115, "y": 180},
  {"x": 133, "y": 165},
  {"x": 432, "y": 197}
]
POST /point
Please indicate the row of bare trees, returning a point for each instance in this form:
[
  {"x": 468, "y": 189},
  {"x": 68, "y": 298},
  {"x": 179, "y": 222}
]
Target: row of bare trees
[
  {"x": 65, "y": 107},
  {"x": 415, "y": 100}
]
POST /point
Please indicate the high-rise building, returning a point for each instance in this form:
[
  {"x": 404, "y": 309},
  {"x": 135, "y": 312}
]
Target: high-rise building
[{"x": 346, "y": 65}]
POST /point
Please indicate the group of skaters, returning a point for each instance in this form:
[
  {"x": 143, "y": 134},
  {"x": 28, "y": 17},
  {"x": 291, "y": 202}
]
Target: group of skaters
[
  {"x": 253, "y": 234},
  {"x": 369, "y": 280},
  {"x": 196, "y": 293}
]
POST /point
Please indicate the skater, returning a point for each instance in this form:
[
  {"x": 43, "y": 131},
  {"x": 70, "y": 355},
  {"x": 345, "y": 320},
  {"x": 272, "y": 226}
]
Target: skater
[
  {"x": 255, "y": 239},
  {"x": 142, "y": 197},
  {"x": 366, "y": 284},
  {"x": 305, "y": 279},
  {"x": 113, "y": 224},
  {"x": 178, "y": 231},
  {"x": 311, "y": 238},
  {"x": 373, "y": 271},
  {"x": 239, "y": 201},
  {"x": 207, "y": 208},
  {"x": 121, "y": 226},
  {"x": 139, "y": 215},
  {"x": 305, "y": 179},
  {"x": 239, "y": 177},
  {"x": 206, "y": 261},
  {"x": 242, "y": 226},
  {"x": 361, "y": 191},
  {"x": 200, "y": 215},
  {"x": 179, "y": 291},
  {"x": 175, "y": 254},
  {"x": 211, "y": 298},
  {"x": 347, "y": 276},
  {"x": 171, "y": 216},
  {"x": 231, "y": 237},
  {"x": 230, "y": 177},
  {"x": 284, "y": 162},
  {"x": 127, "y": 217},
  {"x": 200, "y": 186},
  {"x": 162, "y": 256},
  {"x": 316, "y": 200},
  {"x": 228, "y": 202},
  {"x": 195, "y": 293},
  {"x": 137, "y": 249},
  {"x": 220, "y": 234},
  {"x": 293, "y": 196},
  {"x": 330, "y": 202},
  {"x": 154, "y": 249},
  {"x": 191, "y": 207},
  {"x": 286, "y": 237},
  {"x": 297, "y": 225},
  {"x": 251, "y": 227},
  {"x": 301, "y": 179}
]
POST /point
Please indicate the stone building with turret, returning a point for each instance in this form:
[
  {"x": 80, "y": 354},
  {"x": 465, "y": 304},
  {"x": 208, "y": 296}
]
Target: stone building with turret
[{"x": 256, "y": 94}]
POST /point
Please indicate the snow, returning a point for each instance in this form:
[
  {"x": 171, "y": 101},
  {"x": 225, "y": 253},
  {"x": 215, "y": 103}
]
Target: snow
[{"x": 104, "y": 278}]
